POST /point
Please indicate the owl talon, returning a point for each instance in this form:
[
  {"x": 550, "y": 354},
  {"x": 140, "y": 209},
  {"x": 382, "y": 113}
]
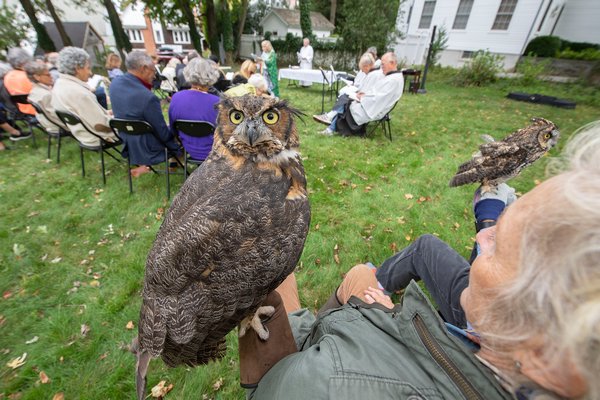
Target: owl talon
[{"x": 255, "y": 322}]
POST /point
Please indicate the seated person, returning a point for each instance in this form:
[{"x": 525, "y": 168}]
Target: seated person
[
  {"x": 196, "y": 104},
  {"x": 132, "y": 98},
  {"x": 247, "y": 68},
  {"x": 365, "y": 79},
  {"x": 15, "y": 80},
  {"x": 168, "y": 84},
  {"x": 222, "y": 83},
  {"x": 15, "y": 134},
  {"x": 354, "y": 112},
  {"x": 531, "y": 299},
  {"x": 41, "y": 94},
  {"x": 179, "y": 78},
  {"x": 51, "y": 60},
  {"x": 257, "y": 85},
  {"x": 72, "y": 94},
  {"x": 113, "y": 66}
]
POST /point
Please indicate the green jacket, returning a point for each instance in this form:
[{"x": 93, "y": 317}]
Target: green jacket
[{"x": 363, "y": 351}]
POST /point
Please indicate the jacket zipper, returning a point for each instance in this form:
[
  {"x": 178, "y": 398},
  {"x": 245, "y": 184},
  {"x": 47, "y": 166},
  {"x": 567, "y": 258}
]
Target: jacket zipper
[{"x": 442, "y": 359}]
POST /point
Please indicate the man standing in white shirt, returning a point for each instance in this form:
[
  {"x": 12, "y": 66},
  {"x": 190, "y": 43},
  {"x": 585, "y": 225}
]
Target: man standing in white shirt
[{"x": 305, "y": 57}]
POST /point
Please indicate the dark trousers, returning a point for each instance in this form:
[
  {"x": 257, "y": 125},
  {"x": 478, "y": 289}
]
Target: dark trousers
[{"x": 444, "y": 272}]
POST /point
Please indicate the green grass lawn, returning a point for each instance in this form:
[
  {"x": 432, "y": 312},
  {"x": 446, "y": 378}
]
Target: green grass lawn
[{"x": 72, "y": 251}]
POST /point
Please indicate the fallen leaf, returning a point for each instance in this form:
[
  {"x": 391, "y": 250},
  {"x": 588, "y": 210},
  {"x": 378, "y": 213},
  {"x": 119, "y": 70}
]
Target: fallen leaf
[
  {"x": 129, "y": 325},
  {"x": 7, "y": 295},
  {"x": 32, "y": 340},
  {"x": 44, "y": 378},
  {"x": 95, "y": 283},
  {"x": 58, "y": 396},
  {"x": 160, "y": 390},
  {"x": 317, "y": 226},
  {"x": 408, "y": 196},
  {"x": 394, "y": 247},
  {"x": 2, "y": 320},
  {"x": 44, "y": 257},
  {"x": 456, "y": 225},
  {"x": 18, "y": 249},
  {"x": 56, "y": 260},
  {"x": 103, "y": 356},
  {"x": 17, "y": 362},
  {"x": 84, "y": 330},
  {"x": 217, "y": 385},
  {"x": 318, "y": 261},
  {"x": 15, "y": 396},
  {"x": 407, "y": 237},
  {"x": 42, "y": 229}
]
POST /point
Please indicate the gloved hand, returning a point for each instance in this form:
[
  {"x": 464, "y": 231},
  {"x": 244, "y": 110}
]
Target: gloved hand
[
  {"x": 257, "y": 356},
  {"x": 489, "y": 205}
]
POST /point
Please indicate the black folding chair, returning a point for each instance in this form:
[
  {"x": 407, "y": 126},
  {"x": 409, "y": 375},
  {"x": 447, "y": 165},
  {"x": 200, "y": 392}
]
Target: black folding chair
[
  {"x": 62, "y": 132},
  {"x": 385, "y": 122},
  {"x": 135, "y": 127},
  {"x": 29, "y": 120},
  {"x": 104, "y": 147},
  {"x": 194, "y": 129}
]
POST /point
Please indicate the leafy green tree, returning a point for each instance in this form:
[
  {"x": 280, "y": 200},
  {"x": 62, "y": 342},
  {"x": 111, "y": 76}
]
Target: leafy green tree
[
  {"x": 227, "y": 32},
  {"x": 241, "y": 22},
  {"x": 305, "y": 22},
  {"x": 369, "y": 23},
  {"x": 44, "y": 40},
  {"x": 12, "y": 29},
  {"x": 121, "y": 38},
  {"x": 176, "y": 12},
  {"x": 211, "y": 32},
  {"x": 57, "y": 22},
  {"x": 256, "y": 12}
]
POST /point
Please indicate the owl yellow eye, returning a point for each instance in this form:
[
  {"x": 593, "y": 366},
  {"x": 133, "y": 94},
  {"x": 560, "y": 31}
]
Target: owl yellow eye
[
  {"x": 236, "y": 117},
  {"x": 270, "y": 117},
  {"x": 547, "y": 136}
]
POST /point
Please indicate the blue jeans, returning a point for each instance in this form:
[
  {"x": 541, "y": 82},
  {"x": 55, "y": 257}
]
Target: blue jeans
[{"x": 444, "y": 272}]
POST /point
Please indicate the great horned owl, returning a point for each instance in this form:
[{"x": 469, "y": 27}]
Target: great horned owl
[
  {"x": 497, "y": 162},
  {"x": 235, "y": 230}
]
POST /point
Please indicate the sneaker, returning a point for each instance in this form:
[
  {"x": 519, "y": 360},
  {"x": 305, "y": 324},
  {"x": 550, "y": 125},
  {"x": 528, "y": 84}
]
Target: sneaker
[
  {"x": 323, "y": 119},
  {"x": 22, "y": 136},
  {"x": 326, "y": 132}
]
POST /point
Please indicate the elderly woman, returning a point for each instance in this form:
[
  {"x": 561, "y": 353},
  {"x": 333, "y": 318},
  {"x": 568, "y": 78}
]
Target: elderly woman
[
  {"x": 71, "y": 93},
  {"x": 247, "y": 68},
  {"x": 196, "y": 104},
  {"x": 532, "y": 300},
  {"x": 41, "y": 94},
  {"x": 16, "y": 81},
  {"x": 168, "y": 72},
  {"x": 268, "y": 60},
  {"x": 257, "y": 85}
]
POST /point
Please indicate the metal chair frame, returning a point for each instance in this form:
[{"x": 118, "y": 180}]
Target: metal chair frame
[
  {"x": 385, "y": 122},
  {"x": 19, "y": 116},
  {"x": 194, "y": 129},
  {"x": 62, "y": 132},
  {"x": 104, "y": 147},
  {"x": 138, "y": 127}
]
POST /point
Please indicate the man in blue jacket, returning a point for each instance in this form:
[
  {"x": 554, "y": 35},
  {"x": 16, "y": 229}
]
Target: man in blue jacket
[{"x": 132, "y": 98}]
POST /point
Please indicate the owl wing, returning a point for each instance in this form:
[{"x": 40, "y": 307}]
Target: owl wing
[
  {"x": 493, "y": 159},
  {"x": 228, "y": 240}
]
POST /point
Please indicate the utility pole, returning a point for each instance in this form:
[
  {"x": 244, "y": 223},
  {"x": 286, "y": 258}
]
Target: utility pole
[{"x": 422, "y": 90}]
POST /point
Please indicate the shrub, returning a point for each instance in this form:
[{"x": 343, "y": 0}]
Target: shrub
[
  {"x": 578, "y": 46},
  {"x": 531, "y": 69},
  {"x": 480, "y": 70},
  {"x": 544, "y": 46},
  {"x": 588, "y": 54}
]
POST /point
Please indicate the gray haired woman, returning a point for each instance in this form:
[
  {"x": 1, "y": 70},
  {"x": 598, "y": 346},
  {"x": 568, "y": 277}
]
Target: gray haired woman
[
  {"x": 72, "y": 94},
  {"x": 196, "y": 104},
  {"x": 15, "y": 81},
  {"x": 41, "y": 94}
]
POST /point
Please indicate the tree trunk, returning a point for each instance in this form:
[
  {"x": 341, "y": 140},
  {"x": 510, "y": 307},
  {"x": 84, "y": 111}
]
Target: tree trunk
[
  {"x": 59, "y": 25},
  {"x": 241, "y": 23},
  {"x": 44, "y": 40},
  {"x": 332, "y": 11},
  {"x": 211, "y": 22},
  {"x": 123, "y": 44},
  {"x": 186, "y": 8}
]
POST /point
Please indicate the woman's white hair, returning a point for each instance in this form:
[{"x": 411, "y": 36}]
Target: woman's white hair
[
  {"x": 200, "y": 71},
  {"x": 70, "y": 58},
  {"x": 555, "y": 294},
  {"x": 18, "y": 57},
  {"x": 259, "y": 82}
]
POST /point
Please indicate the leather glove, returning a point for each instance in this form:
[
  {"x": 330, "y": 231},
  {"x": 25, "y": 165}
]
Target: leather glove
[
  {"x": 489, "y": 205},
  {"x": 257, "y": 356}
]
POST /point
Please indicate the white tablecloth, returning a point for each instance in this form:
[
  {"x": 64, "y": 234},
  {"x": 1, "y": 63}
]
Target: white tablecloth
[{"x": 309, "y": 75}]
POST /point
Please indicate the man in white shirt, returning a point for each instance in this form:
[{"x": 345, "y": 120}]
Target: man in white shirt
[
  {"x": 305, "y": 57},
  {"x": 370, "y": 103}
]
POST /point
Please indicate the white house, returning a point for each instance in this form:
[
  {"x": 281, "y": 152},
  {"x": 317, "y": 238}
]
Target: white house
[
  {"x": 500, "y": 26},
  {"x": 281, "y": 21}
]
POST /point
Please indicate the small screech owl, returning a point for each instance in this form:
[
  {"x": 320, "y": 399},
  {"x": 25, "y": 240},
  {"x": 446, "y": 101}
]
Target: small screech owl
[
  {"x": 234, "y": 232},
  {"x": 497, "y": 162}
]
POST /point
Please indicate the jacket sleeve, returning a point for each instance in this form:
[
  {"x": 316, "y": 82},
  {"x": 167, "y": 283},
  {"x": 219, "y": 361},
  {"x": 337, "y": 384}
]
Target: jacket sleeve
[{"x": 153, "y": 114}]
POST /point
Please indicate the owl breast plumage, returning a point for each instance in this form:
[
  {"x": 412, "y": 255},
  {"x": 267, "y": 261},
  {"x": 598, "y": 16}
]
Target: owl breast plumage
[
  {"x": 497, "y": 162},
  {"x": 234, "y": 232}
]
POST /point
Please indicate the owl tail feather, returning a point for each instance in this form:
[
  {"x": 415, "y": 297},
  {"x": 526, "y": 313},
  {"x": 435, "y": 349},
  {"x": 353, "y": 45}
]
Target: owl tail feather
[
  {"x": 463, "y": 178},
  {"x": 141, "y": 368}
]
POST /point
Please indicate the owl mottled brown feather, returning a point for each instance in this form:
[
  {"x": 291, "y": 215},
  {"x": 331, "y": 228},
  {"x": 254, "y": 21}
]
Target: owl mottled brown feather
[
  {"x": 234, "y": 232},
  {"x": 497, "y": 162}
]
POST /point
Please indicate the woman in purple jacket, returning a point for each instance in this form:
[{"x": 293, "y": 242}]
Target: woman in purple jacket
[{"x": 196, "y": 104}]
